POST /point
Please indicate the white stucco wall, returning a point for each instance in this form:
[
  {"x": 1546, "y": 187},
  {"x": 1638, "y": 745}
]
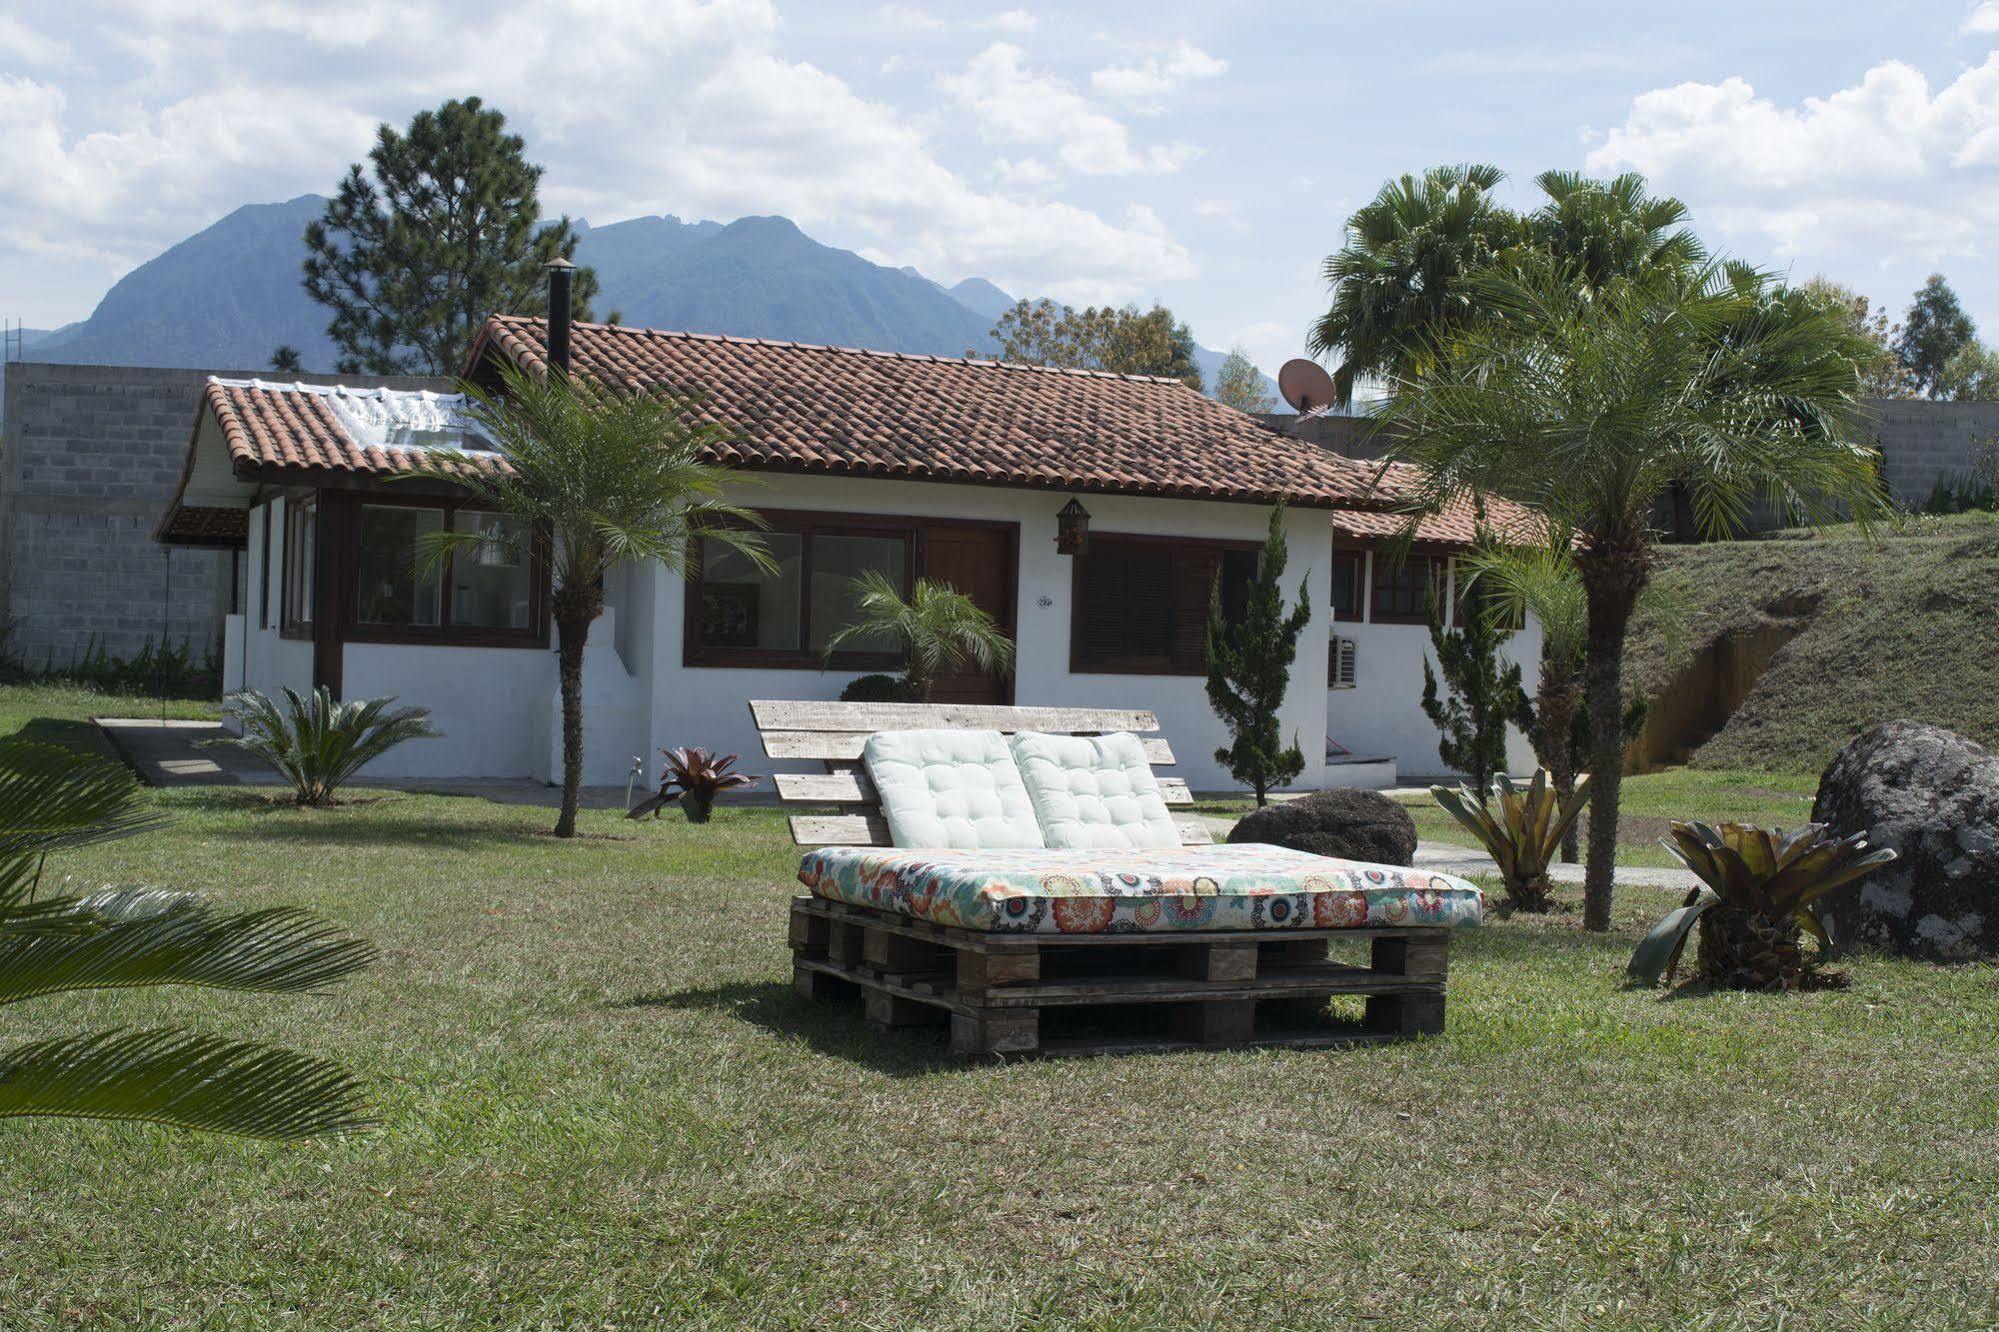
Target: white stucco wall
[
  {"x": 707, "y": 706},
  {"x": 1383, "y": 712}
]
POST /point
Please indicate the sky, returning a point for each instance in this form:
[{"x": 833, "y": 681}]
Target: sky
[{"x": 1204, "y": 155}]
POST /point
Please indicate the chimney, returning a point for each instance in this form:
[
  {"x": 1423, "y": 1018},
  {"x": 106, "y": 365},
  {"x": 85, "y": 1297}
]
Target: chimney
[{"x": 560, "y": 274}]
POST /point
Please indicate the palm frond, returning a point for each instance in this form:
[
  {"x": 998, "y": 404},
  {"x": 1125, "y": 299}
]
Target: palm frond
[
  {"x": 141, "y": 937},
  {"x": 55, "y": 799},
  {"x": 185, "y": 1080},
  {"x": 319, "y": 744}
]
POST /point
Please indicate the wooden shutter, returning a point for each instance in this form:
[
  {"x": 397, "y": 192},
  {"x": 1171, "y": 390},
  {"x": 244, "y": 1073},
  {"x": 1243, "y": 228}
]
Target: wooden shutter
[{"x": 1194, "y": 572}]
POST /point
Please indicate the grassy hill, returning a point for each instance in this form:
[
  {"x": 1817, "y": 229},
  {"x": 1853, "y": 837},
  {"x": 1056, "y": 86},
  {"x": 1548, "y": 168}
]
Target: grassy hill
[{"x": 1905, "y": 625}]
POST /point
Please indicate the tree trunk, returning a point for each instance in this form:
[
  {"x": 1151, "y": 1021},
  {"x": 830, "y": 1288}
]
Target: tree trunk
[
  {"x": 1554, "y": 729},
  {"x": 572, "y": 629},
  {"x": 1613, "y": 574}
]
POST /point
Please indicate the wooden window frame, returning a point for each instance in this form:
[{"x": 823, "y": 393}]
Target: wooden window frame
[
  {"x": 809, "y": 523},
  {"x": 1077, "y": 665},
  {"x": 345, "y": 541},
  {"x": 1357, "y": 613},
  {"x": 290, "y": 624},
  {"x": 1383, "y": 564},
  {"x": 264, "y": 572}
]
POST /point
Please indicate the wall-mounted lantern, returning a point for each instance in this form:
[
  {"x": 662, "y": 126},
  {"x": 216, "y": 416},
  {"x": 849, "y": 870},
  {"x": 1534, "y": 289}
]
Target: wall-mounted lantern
[{"x": 1072, "y": 529}]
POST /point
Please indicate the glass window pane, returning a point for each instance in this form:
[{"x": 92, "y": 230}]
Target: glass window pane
[
  {"x": 492, "y": 584},
  {"x": 744, "y": 607},
  {"x": 393, "y": 588},
  {"x": 836, "y": 562}
]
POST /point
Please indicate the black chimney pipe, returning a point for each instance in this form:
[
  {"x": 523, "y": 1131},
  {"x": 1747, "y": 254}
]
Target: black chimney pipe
[{"x": 560, "y": 275}]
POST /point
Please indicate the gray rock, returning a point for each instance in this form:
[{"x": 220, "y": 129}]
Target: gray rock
[
  {"x": 1933, "y": 796},
  {"x": 1348, "y": 824}
]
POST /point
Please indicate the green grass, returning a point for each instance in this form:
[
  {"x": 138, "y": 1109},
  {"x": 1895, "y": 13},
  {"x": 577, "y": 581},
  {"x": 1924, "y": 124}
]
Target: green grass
[
  {"x": 1899, "y": 626},
  {"x": 1654, "y": 799},
  {"x": 602, "y": 1107},
  {"x": 59, "y": 713}
]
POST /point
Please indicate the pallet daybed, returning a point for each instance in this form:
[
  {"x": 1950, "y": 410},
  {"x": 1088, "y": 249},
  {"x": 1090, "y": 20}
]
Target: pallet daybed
[{"x": 1044, "y": 990}]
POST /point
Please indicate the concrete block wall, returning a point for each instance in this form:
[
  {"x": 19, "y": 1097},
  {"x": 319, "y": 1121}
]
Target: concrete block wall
[
  {"x": 1922, "y": 442},
  {"x": 89, "y": 457}
]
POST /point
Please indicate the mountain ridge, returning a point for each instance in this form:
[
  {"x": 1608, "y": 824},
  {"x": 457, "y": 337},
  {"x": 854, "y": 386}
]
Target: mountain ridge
[{"x": 230, "y": 294}]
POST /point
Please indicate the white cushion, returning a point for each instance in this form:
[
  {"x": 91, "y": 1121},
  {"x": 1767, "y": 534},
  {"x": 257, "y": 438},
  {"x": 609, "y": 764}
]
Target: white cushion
[
  {"x": 1094, "y": 791},
  {"x": 951, "y": 788}
]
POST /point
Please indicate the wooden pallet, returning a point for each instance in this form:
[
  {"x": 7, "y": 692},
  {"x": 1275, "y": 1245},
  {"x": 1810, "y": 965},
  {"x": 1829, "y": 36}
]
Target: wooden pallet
[{"x": 1021, "y": 994}]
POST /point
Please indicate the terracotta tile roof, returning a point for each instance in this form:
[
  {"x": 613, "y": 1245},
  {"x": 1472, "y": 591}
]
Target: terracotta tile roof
[
  {"x": 838, "y": 410},
  {"x": 188, "y": 525},
  {"x": 1457, "y": 525},
  {"x": 287, "y": 426}
]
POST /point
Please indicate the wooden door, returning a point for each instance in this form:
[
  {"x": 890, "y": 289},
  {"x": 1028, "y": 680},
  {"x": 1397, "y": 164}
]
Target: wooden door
[{"x": 981, "y": 561}]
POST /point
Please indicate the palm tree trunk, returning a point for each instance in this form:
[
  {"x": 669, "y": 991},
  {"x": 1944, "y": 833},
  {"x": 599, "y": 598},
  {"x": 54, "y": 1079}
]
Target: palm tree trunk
[
  {"x": 1554, "y": 726},
  {"x": 1612, "y": 575},
  {"x": 572, "y": 629}
]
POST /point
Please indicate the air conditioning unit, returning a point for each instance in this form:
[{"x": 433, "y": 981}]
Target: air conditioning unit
[{"x": 1339, "y": 664}]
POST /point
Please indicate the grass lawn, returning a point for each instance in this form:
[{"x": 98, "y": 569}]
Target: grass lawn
[
  {"x": 60, "y": 713},
  {"x": 602, "y": 1107}
]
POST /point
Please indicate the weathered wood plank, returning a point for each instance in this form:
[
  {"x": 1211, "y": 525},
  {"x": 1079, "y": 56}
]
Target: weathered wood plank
[
  {"x": 817, "y": 715},
  {"x": 1008, "y": 940},
  {"x": 849, "y": 744},
  {"x": 1194, "y": 832},
  {"x": 1290, "y": 983},
  {"x": 852, "y": 787},
  {"x": 872, "y": 830}
]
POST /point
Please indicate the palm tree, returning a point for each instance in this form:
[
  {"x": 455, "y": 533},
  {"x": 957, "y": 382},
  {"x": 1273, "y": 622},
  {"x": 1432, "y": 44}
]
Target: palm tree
[
  {"x": 1398, "y": 282},
  {"x": 601, "y": 476},
  {"x": 1590, "y": 404},
  {"x": 1610, "y": 229},
  {"x": 53, "y": 799},
  {"x": 938, "y": 628}
]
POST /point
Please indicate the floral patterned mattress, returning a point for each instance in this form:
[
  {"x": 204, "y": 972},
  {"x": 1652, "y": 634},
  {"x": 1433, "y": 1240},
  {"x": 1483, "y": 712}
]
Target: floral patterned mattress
[{"x": 1246, "y": 886}]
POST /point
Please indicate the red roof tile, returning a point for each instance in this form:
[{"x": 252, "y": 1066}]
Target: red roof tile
[
  {"x": 279, "y": 425},
  {"x": 1456, "y": 525},
  {"x": 836, "y": 410}
]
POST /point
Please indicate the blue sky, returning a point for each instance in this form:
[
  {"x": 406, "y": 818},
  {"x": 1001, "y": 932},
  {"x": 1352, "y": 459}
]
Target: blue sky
[{"x": 1201, "y": 154}]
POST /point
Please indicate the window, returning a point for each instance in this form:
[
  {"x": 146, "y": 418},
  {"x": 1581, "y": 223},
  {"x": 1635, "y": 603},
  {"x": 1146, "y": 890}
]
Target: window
[
  {"x": 1340, "y": 664},
  {"x": 741, "y": 614},
  {"x": 264, "y": 572},
  {"x": 1402, "y": 589},
  {"x": 490, "y": 588},
  {"x": 1349, "y": 585},
  {"x": 301, "y": 558},
  {"x": 1141, "y": 604}
]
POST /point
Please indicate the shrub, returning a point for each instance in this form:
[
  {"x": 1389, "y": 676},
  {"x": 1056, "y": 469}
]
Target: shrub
[
  {"x": 1752, "y": 907},
  {"x": 878, "y": 688},
  {"x": 1525, "y": 833},
  {"x": 318, "y": 744}
]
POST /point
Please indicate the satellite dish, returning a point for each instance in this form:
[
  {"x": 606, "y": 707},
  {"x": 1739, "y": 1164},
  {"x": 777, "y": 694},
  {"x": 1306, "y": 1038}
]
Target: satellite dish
[{"x": 1305, "y": 385}]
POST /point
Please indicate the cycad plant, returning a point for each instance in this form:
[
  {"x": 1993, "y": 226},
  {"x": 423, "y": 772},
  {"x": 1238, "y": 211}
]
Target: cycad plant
[
  {"x": 1522, "y": 834},
  {"x": 52, "y": 799},
  {"x": 1753, "y": 907},
  {"x": 316, "y": 743},
  {"x": 938, "y": 628}
]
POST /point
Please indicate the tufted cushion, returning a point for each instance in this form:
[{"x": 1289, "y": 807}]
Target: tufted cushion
[
  {"x": 1094, "y": 791},
  {"x": 951, "y": 789}
]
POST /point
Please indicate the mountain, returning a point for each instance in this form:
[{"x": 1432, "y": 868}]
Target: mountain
[{"x": 228, "y": 296}]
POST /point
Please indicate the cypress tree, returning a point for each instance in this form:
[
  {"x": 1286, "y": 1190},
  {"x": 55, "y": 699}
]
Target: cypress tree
[
  {"x": 1249, "y": 670},
  {"x": 1480, "y": 695},
  {"x": 446, "y": 232}
]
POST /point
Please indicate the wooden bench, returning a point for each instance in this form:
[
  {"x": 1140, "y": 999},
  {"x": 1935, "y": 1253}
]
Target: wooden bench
[{"x": 1023, "y": 994}]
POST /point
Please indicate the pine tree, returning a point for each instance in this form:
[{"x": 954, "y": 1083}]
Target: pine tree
[
  {"x": 1935, "y": 329},
  {"x": 1239, "y": 384},
  {"x": 446, "y": 232},
  {"x": 1249, "y": 671},
  {"x": 1484, "y": 695}
]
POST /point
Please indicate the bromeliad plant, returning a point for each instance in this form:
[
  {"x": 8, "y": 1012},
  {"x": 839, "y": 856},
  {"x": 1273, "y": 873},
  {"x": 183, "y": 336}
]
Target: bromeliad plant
[
  {"x": 317, "y": 744},
  {"x": 1753, "y": 908},
  {"x": 694, "y": 777},
  {"x": 52, "y": 799},
  {"x": 1525, "y": 832}
]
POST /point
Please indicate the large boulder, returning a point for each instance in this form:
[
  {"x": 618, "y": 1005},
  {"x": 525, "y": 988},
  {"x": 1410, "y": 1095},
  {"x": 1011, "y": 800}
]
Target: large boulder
[
  {"x": 1933, "y": 796},
  {"x": 1348, "y": 824}
]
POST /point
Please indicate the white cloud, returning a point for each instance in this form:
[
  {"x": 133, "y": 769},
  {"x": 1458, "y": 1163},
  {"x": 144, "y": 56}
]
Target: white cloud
[
  {"x": 908, "y": 16},
  {"x": 1983, "y": 17},
  {"x": 1883, "y": 171},
  {"x": 1013, "y": 20},
  {"x": 1144, "y": 84},
  {"x": 1025, "y": 171},
  {"x": 1014, "y": 104},
  {"x": 197, "y": 108},
  {"x": 22, "y": 45}
]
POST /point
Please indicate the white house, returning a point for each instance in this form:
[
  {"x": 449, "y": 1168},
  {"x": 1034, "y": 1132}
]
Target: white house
[{"x": 917, "y": 466}]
